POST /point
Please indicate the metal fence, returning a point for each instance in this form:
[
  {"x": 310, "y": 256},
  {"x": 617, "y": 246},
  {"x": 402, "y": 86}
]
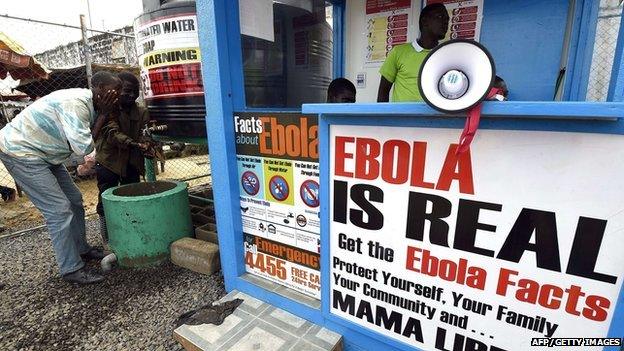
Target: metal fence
[
  {"x": 63, "y": 50},
  {"x": 607, "y": 29}
]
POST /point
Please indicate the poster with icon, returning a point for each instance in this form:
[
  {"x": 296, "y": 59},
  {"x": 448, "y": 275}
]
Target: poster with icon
[
  {"x": 465, "y": 18},
  {"x": 387, "y": 25},
  {"x": 278, "y": 179}
]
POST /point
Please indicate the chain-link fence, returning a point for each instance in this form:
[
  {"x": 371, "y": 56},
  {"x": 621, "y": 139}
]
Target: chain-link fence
[
  {"x": 62, "y": 51},
  {"x": 607, "y": 29},
  {"x": 61, "y": 57}
]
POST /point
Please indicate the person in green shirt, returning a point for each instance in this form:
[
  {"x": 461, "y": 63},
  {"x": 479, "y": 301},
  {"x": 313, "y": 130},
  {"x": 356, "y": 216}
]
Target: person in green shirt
[{"x": 402, "y": 65}]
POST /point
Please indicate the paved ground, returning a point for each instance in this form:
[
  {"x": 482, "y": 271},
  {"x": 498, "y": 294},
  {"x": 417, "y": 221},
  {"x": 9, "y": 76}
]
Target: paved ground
[{"x": 132, "y": 309}]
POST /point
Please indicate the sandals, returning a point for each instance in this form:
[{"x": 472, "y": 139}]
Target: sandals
[{"x": 10, "y": 196}]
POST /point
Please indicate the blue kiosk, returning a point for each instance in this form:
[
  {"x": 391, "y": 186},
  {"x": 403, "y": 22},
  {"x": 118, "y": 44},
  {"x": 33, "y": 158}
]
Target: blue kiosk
[{"x": 363, "y": 219}]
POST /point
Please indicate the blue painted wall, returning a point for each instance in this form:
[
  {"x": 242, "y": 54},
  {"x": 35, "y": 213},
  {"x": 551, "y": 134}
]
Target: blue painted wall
[
  {"x": 526, "y": 40},
  {"x": 222, "y": 76}
]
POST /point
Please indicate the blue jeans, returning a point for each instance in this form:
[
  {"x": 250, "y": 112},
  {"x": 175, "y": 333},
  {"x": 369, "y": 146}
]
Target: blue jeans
[{"x": 51, "y": 189}]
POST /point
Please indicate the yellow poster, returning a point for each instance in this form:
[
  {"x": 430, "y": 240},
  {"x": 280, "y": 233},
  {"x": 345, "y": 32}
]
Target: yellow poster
[
  {"x": 387, "y": 26},
  {"x": 278, "y": 181}
]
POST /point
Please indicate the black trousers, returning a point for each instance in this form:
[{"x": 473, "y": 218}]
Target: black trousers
[{"x": 107, "y": 179}]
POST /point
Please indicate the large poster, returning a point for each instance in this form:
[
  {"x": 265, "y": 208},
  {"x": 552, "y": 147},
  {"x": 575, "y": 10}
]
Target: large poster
[
  {"x": 465, "y": 18},
  {"x": 387, "y": 23},
  {"x": 169, "y": 57},
  {"x": 514, "y": 244},
  {"x": 278, "y": 174}
]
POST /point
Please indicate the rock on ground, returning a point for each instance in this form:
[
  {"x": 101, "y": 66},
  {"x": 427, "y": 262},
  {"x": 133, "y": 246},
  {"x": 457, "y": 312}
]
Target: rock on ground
[{"x": 131, "y": 309}]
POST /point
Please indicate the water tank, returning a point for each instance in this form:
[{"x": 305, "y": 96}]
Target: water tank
[
  {"x": 170, "y": 63},
  {"x": 297, "y": 65}
]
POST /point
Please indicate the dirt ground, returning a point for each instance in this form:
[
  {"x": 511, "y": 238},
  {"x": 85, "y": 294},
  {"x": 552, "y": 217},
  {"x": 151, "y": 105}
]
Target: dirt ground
[
  {"x": 21, "y": 214},
  {"x": 133, "y": 309}
]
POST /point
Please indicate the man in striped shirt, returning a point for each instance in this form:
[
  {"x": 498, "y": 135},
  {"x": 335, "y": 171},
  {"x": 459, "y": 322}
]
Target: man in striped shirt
[{"x": 33, "y": 147}]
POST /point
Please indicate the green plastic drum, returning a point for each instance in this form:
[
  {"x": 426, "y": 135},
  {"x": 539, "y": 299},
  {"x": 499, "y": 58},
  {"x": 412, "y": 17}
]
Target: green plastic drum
[{"x": 143, "y": 219}]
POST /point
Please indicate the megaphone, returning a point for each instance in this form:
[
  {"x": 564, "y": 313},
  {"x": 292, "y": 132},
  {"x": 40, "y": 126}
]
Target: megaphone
[{"x": 457, "y": 76}]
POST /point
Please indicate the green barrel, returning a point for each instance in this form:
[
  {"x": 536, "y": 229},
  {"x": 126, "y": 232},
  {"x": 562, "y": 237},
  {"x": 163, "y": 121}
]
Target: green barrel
[{"x": 143, "y": 219}]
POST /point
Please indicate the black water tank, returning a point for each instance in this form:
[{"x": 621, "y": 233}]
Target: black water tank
[{"x": 170, "y": 62}]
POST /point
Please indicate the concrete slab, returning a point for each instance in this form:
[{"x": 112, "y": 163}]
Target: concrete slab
[
  {"x": 207, "y": 232},
  {"x": 255, "y": 325},
  {"x": 197, "y": 255},
  {"x": 200, "y": 219}
]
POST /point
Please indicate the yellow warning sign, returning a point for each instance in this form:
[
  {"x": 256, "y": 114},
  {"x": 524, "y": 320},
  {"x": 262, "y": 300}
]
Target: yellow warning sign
[{"x": 171, "y": 57}]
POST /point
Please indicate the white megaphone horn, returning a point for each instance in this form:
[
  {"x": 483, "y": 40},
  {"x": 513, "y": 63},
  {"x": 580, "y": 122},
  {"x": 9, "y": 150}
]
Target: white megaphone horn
[{"x": 457, "y": 76}]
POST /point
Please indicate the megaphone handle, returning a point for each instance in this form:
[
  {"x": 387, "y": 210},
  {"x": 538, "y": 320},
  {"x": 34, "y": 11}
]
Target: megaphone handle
[
  {"x": 470, "y": 129},
  {"x": 472, "y": 124}
]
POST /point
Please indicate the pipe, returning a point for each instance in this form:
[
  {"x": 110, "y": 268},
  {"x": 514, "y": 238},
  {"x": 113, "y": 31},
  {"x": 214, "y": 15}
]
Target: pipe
[
  {"x": 194, "y": 177},
  {"x": 29, "y": 230},
  {"x": 22, "y": 232},
  {"x": 151, "y": 163},
  {"x": 201, "y": 199},
  {"x": 87, "y": 50},
  {"x": 150, "y": 169},
  {"x": 107, "y": 262}
]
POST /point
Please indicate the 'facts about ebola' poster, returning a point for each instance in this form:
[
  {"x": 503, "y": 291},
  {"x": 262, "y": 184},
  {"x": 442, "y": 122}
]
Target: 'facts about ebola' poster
[
  {"x": 507, "y": 246},
  {"x": 169, "y": 56},
  {"x": 278, "y": 178}
]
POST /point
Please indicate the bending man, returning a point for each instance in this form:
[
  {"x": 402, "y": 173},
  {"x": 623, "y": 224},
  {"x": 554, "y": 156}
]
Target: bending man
[{"x": 33, "y": 147}]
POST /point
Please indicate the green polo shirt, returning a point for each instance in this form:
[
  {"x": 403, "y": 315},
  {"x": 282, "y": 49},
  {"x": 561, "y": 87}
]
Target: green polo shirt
[{"x": 401, "y": 68}]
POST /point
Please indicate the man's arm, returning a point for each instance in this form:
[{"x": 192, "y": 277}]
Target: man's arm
[
  {"x": 388, "y": 72},
  {"x": 75, "y": 118},
  {"x": 100, "y": 121},
  {"x": 113, "y": 135},
  {"x": 383, "y": 94},
  {"x": 108, "y": 109}
]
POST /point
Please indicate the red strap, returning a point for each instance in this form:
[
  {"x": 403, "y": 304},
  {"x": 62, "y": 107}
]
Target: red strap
[{"x": 472, "y": 123}]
